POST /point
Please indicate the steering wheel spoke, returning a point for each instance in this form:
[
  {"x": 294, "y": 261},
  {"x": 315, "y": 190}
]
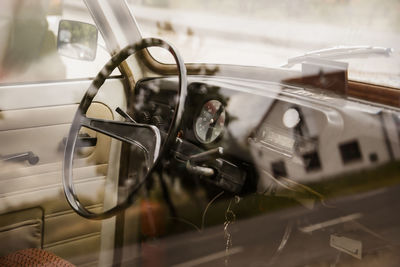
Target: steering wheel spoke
[{"x": 145, "y": 136}]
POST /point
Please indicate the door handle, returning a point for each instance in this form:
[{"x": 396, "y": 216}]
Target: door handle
[
  {"x": 84, "y": 140},
  {"x": 18, "y": 157}
]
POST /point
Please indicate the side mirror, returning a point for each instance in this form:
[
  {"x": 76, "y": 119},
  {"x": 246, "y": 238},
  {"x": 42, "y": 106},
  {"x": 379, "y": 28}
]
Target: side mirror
[{"x": 77, "y": 40}]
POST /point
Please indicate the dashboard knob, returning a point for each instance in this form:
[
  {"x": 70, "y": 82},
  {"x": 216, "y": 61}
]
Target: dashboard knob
[
  {"x": 158, "y": 121},
  {"x": 144, "y": 117}
]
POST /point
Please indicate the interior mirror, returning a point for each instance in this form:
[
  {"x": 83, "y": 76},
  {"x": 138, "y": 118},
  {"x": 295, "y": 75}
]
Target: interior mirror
[{"x": 77, "y": 40}]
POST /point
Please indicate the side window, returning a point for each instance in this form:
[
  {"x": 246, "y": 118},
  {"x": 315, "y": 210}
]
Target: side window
[{"x": 28, "y": 42}]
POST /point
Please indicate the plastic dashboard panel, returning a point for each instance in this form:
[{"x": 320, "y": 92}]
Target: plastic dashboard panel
[{"x": 334, "y": 135}]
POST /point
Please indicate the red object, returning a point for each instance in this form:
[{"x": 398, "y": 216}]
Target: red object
[
  {"x": 33, "y": 257},
  {"x": 152, "y": 218}
]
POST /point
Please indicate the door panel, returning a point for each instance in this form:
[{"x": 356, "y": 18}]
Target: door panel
[
  {"x": 40, "y": 126},
  {"x": 27, "y": 223}
]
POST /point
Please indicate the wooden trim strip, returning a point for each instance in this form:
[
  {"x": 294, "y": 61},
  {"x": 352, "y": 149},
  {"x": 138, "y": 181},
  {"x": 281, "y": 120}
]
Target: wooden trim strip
[{"x": 374, "y": 93}]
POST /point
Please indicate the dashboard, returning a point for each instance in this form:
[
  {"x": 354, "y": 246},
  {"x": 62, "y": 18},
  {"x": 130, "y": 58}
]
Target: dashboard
[{"x": 244, "y": 136}]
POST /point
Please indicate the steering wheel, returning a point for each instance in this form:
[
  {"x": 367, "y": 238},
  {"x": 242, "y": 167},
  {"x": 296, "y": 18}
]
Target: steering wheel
[{"x": 130, "y": 132}]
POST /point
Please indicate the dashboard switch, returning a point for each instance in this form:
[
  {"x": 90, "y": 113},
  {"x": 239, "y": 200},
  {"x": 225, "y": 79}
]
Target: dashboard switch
[
  {"x": 229, "y": 176},
  {"x": 157, "y": 121}
]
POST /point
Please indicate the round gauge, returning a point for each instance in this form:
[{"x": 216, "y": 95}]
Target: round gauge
[{"x": 210, "y": 122}]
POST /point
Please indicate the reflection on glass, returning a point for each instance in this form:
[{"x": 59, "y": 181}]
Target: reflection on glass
[
  {"x": 28, "y": 46},
  {"x": 77, "y": 40}
]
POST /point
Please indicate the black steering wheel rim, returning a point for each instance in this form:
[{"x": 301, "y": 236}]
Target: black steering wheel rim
[{"x": 115, "y": 61}]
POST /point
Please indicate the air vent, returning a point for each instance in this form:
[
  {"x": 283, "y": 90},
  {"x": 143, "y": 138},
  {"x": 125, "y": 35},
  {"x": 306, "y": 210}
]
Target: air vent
[
  {"x": 350, "y": 152},
  {"x": 311, "y": 161},
  {"x": 279, "y": 169}
]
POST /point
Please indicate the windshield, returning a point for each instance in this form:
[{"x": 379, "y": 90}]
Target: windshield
[{"x": 267, "y": 33}]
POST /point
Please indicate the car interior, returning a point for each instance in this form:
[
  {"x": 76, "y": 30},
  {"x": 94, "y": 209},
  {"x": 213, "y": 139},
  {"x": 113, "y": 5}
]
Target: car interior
[{"x": 115, "y": 151}]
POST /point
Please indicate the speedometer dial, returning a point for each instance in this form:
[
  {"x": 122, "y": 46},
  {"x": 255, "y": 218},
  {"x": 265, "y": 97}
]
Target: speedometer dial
[{"x": 210, "y": 122}]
